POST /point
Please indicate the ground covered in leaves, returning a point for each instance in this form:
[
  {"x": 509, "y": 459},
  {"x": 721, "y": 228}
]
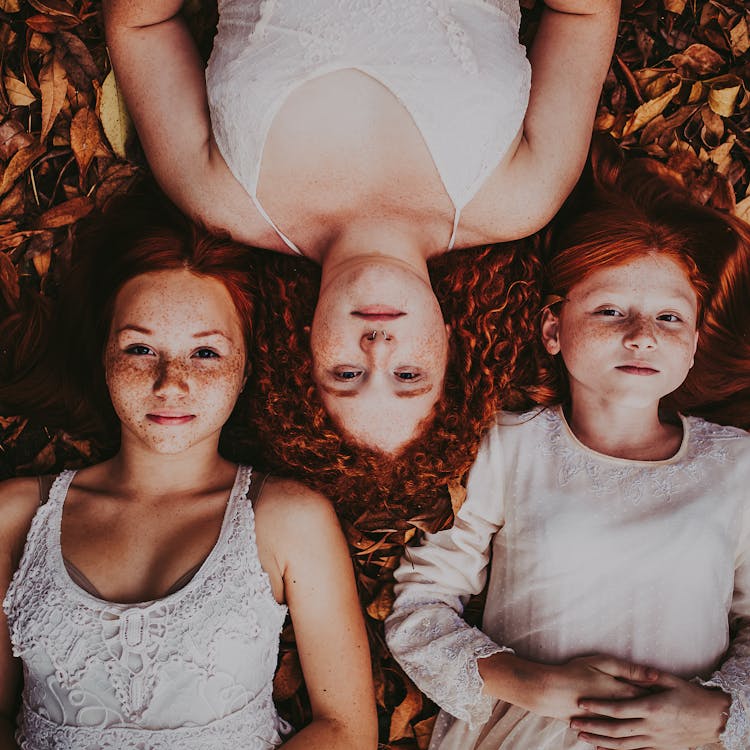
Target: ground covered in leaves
[{"x": 678, "y": 90}]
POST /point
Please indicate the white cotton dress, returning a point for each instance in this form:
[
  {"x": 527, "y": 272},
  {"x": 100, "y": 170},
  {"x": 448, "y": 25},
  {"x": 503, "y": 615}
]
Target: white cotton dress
[
  {"x": 456, "y": 66},
  {"x": 648, "y": 561},
  {"x": 191, "y": 671}
]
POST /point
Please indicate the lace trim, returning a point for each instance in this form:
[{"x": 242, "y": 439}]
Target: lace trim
[
  {"x": 440, "y": 652},
  {"x": 254, "y": 727},
  {"x": 733, "y": 680},
  {"x": 607, "y": 475}
]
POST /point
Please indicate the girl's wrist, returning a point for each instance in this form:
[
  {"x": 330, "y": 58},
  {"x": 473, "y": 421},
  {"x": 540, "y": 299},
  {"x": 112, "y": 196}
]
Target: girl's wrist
[{"x": 512, "y": 679}]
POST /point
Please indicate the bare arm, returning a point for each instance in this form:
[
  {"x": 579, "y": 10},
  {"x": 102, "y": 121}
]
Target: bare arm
[
  {"x": 303, "y": 538},
  {"x": 161, "y": 75},
  {"x": 569, "y": 59},
  {"x": 18, "y": 503}
]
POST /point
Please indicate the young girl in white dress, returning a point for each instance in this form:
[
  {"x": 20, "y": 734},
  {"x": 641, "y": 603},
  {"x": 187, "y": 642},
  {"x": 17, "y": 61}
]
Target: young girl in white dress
[
  {"x": 144, "y": 596},
  {"x": 613, "y": 535},
  {"x": 368, "y": 136}
]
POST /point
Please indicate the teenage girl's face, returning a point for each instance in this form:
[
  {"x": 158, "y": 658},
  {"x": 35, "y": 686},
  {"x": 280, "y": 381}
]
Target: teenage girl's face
[
  {"x": 380, "y": 348},
  {"x": 627, "y": 334},
  {"x": 174, "y": 360}
]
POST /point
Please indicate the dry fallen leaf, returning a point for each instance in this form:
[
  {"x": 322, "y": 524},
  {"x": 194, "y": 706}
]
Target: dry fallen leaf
[
  {"x": 405, "y": 712},
  {"x": 118, "y": 127},
  {"x": 84, "y": 139},
  {"x": 21, "y": 161},
  {"x": 648, "y": 110},
  {"x": 18, "y": 92},
  {"x": 53, "y": 81},
  {"x": 65, "y": 213}
]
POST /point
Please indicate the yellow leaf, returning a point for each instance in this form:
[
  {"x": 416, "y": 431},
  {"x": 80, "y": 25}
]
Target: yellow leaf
[
  {"x": 675, "y": 6},
  {"x": 116, "y": 122},
  {"x": 382, "y": 605},
  {"x": 721, "y": 156},
  {"x": 404, "y": 713},
  {"x": 53, "y": 81},
  {"x": 739, "y": 37},
  {"x": 649, "y": 110},
  {"x": 10, "y": 6},
  {"x": 723, "y": 93},
  {"x": 18, "y": 92}
]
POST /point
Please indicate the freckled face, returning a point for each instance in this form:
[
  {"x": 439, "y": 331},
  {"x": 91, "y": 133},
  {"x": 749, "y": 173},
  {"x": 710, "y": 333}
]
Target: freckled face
[
  {"x": 379, "y": 386},
  {"x": 627, "y": 334},
  {"x": 174, "y": 360}
]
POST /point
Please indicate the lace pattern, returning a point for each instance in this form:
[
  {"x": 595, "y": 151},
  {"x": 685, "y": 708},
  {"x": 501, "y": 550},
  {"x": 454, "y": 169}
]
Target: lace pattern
[
  {"x": 201, "y": 654},
  {"x": 440, "y": 651}
]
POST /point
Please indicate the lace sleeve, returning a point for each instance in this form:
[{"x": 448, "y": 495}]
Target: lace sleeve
[
  {"x": 733, "y": 676},
  {"x": 425, "y": 632}
]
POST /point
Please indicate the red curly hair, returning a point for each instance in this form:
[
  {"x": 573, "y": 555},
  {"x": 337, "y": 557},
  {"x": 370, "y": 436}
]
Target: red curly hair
[{"x": 624, "y": 209}]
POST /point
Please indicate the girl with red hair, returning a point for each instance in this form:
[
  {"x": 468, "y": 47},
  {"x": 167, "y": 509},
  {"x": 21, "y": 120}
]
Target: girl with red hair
[
  {"x": 144, "y": 595},
  {"x": 614, "y": 531},
  {"x": 368, "y": 137}
]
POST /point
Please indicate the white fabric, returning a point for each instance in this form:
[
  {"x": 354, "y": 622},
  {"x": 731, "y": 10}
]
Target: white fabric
[
  {"x": 456, "y": 67},
  {"x": 647, "y": 561},
  {"x": 190, "y": 671}
]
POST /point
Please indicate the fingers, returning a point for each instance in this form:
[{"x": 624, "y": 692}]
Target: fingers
[
  {"x": 626, "y": 670},
  {"x": 618, "y": 735},
  {"x": 622, "y": 709}
]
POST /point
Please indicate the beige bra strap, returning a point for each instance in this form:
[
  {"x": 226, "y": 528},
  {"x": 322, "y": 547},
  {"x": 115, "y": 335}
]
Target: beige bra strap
[
  {"x": 256, "y": 486},
  {"x": 45, "y": 485}
]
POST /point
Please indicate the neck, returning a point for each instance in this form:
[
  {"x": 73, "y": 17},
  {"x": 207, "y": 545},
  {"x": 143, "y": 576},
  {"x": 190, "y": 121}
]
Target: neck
[
  {"x": 624, "y": 432},
  {"x": 373, "y": 240},
  {"x": 145, "y": 474}
]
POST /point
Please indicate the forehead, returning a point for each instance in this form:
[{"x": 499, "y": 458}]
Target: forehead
[
  {"x": 645, "y": 275},
  {"x": 174, "y": 297}
]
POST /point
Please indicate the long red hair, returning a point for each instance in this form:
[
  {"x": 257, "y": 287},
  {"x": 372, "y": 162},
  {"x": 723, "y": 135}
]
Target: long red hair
[
  {"x": 624, "y": 209},
  {"x": 53, "y": 369}
]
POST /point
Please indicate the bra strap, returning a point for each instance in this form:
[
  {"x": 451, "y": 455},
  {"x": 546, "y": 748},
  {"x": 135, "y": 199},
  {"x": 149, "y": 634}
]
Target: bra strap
[{"x": 45, "y": 485}]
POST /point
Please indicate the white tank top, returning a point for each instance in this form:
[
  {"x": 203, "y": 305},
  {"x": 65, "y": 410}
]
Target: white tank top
[
  {"x": 190, "y": 671},
  {"x": 457, "y": 67}
]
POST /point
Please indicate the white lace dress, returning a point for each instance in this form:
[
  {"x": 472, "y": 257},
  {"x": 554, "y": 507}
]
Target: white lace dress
[
  {"x": 647, "y": 561},
  {"x": 191, "y": 671}
]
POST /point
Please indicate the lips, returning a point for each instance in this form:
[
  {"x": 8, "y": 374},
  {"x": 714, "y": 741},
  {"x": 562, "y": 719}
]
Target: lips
[
  {"x": 378, "y": 312},
  {"x": 640, "y": 369},
  {"x": 170, "y": 419}
]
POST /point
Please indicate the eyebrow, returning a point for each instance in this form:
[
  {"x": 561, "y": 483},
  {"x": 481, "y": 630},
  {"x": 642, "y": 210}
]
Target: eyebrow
[
  {"x": 351, "y": 393},
  {"x": 149, "y": 332}
]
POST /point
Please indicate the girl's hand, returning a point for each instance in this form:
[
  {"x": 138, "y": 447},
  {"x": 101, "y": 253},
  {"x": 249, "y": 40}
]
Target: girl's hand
[
  {"x": 680, "y": 714},
  {"x": 602, "y": 678},
  {"x": 557, "y": 691}
]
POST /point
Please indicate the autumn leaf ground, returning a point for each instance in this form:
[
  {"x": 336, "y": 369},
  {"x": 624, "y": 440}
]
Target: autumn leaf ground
[{"x": 678, "y": 90}]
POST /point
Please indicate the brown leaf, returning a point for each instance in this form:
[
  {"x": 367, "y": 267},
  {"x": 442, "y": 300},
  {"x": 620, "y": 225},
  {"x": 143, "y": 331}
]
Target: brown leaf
[
  {"x": 382, "y": 605},
  {"x": 698, "y": 60},
  {"x": 423, "y": 732},
  {"x": 739, "y": 39},
  {"x": 77, "y": 60},
  {"x": 65, "y": 213},
  {"x": 47, "y": 25},
  {"x": 13, "y": 137},
  {"x": 9, "y": 280},
  {"x": 675, "y": 6},
  {"x": 10, "y": 6},
  {"x": 84, "y": 139},
  {"x": 721, "y": 155},
  {"x": 288, "y": 678},
  {"x": 55, "y": 8},
  {"x": 457, "y": 493},
  {"x": 20, "y": 162},
  {"x": 646, "y": 112},
  {"x": 13, "y": 203},
  {"x": 404, "y": 713},
  {"x": 743, "y": 209},
  {"x": 18, "y": 92},
  {"x": 115, "y": 181},
  {"x": 53, "y": 82},
  {"x": 713, "y": 128}
]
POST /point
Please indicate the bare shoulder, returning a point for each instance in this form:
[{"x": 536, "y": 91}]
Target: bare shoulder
[
  {"x": 19, "y": 501},
  {"x": 293, "y": 505}
]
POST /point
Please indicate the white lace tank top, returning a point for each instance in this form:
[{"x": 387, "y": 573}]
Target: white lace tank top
[
  {"x": 457, "y": 67},
  {"x": 190, "y": 671}
]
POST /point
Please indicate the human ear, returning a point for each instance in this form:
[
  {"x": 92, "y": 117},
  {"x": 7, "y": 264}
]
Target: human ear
[{"x": 551, "y": 332}]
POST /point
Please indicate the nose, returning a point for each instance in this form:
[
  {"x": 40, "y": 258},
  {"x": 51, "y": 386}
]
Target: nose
[
  {"x": 171, "y": 378},
  {"x": 640, "y": 334},
  {"x": 376, "y": 343}
]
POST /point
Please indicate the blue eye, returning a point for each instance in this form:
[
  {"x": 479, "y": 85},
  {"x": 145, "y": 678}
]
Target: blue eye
[
  {"x": 206, "y": 354},
  {"x": 408, "y": 375},
  {"x": 138, "y": 350},
  {"x": 345, "y": 374}
]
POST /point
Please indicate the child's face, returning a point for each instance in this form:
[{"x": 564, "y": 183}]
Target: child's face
[
  {"x": 627, "y": 334},
  {"x": 174, "y": 359}
]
